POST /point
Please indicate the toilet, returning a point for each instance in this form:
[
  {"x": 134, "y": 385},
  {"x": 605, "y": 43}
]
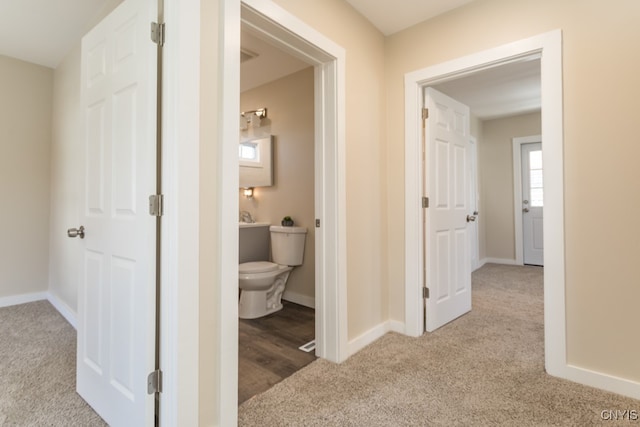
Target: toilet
[{"x": 262, "y": 283}]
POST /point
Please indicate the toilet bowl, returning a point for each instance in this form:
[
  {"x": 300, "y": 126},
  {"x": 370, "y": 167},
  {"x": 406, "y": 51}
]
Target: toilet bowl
[{"x": 262, "y": 283}]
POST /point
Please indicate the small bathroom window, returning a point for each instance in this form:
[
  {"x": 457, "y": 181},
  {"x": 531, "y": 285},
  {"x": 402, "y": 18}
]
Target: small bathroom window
[
  {"x": 249, "y": 151},
  {"x": 255, "y": 161}
]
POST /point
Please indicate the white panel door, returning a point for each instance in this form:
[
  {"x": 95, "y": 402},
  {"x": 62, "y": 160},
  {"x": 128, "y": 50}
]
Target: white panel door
[
  {"x": 448, "y": 265},
  {"x": 116, "y": 301},
  {"x": 532, "y": 204},
  {"x": 472, "y": 167}
]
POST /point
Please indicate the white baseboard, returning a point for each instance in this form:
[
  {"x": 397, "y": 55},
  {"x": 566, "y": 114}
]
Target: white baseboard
[
  {"x": 599, "y": 380},
  {"x": 22, "y": 299},
  {"x": 63, "y": 309},
  {"x": 299, "y": 299},
  {"x": 373, "y": 334},
  {"x": 504, "y": 261}
]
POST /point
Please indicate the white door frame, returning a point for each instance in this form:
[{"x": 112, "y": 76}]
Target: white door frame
[
  {"x": 298, "y": 39},
  {"x": 179, "y": 312},
  {"x": 517, "y": 191},
  {"x": 548, "y": 47}
]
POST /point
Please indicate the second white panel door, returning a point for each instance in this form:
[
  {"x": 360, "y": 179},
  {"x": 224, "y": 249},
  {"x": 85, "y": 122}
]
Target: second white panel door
[{"x": 448, "y": 265}]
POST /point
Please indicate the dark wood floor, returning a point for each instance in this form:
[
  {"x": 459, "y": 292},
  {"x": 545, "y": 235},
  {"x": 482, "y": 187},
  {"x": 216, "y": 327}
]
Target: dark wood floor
[{"x": 268, "y": 348}]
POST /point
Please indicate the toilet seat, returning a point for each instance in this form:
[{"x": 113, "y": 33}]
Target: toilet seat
[{"x": 257, "y": 267}]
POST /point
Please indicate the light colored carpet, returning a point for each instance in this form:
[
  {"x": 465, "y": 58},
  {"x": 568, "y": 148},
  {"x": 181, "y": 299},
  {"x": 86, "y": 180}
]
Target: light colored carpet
[
  {"x": 485, "y": 368},
  {"x": 37, "y": 369}
]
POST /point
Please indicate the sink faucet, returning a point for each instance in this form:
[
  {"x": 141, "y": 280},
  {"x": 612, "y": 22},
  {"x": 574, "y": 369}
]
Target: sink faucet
[{"x": 246, "y": 217}]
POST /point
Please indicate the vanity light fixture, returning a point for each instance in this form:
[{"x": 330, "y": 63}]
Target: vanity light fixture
[
  {"x": 252, "y": 118},
  {"x": 244, "y": 123},
  {"x": 248, "y": 192}
]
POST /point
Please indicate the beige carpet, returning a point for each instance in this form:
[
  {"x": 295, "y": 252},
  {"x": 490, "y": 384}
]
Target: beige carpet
[
  {"x": 486, "y": 368},
  {"x": 37, "y": 369}
]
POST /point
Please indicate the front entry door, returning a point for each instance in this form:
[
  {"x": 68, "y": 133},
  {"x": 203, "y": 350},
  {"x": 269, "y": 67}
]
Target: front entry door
[
  {"x": 116, "y": 299},
  {"x": 447, "y": 237},
  {"x": 532, "y": 204}
]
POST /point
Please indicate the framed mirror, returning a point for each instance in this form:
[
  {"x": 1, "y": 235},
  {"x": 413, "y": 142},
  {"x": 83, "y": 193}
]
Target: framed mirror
[{"x": 256, "y": 162}]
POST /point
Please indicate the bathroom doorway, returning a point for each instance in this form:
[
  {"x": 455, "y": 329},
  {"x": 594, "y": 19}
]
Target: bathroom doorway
[
  {"x": 283, "y": 86},
  {"x": 274, "y": 25},
  {"x": 277, "y": 182}
]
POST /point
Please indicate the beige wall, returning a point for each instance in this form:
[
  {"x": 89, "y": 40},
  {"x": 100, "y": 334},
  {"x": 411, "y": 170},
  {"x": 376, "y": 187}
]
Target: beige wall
[
  {"x": 495, "y": 156},
  {"x": 365, "y": 156},
  {"x": 289, "y": 103},
  {"x": 25, "y": 143},
  {"x": 601, "y": 63}
]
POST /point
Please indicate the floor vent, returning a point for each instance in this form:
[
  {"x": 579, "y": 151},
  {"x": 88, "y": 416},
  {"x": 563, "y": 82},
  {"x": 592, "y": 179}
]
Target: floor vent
[{"x": 308, "y": 347}]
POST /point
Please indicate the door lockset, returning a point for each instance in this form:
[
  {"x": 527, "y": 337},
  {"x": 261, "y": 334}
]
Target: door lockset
[{"x": 76, "y": 232}]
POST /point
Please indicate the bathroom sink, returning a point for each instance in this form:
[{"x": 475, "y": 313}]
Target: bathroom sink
[{"x": 253, "y": 224}]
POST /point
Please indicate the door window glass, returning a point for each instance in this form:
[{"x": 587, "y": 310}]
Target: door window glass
[{"x": 535, "y": 178}]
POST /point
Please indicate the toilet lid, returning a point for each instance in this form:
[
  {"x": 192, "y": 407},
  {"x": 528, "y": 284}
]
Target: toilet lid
[{"x": 257, "y": 267}]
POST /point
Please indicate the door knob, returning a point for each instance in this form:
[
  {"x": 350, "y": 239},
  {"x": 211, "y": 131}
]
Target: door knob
[
  {"x": 525, "y": 210},
  {"x": 76, "y": 232},
  {"x": 471, "y": 218}
]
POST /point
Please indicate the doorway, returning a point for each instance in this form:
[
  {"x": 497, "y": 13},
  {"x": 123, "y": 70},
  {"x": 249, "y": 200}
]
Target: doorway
[
  {"x": 551, "y": 88},
  {"x": 277, "y": 27},
  {"x": 277, "y": 159}
]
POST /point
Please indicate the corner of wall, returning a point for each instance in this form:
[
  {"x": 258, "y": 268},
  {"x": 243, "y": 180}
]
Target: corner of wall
[{"x": 69, "y": 314}]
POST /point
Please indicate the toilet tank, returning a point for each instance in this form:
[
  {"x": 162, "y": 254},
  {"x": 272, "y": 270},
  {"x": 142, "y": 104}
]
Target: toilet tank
[{"x": 287, "y": 244}]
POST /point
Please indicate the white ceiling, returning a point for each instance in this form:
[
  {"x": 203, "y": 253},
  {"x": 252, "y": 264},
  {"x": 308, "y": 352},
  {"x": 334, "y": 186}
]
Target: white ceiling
[
  {"x": 44, "y": 31},
  {"x": 391, "y": 16},
  {"x": 270, "y": 63},
  {"x": 502, "y": 91}
]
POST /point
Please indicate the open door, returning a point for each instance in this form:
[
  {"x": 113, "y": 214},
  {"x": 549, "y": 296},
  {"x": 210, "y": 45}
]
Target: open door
[
  {"x": 116, "y": 300},
  {"x": 472, "y": 167},
  {"x": 447, "y": 238}
]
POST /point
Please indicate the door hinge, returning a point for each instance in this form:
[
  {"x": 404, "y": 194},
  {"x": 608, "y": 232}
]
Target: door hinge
[
  {"x": 154, "y": 382},
  {"x": 425, "y": 113},
  {"x": 156, "y": 205},
  {"x": 317, "y": 223},
  {"x": 425, "y": 202},
  {"x": 425, "y": 292},
  {"x": 157, "y": 33}
]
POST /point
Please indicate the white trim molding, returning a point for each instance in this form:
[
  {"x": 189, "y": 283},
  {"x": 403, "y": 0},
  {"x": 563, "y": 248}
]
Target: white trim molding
[
  {"x": 603, "y": 381},
  {"x": 548, "y": 48},
  {"x": 179, "y": 351},
  {"x": 517, "y": 191},
  {"x": 503, "y": 261},
  {"x": 65, "y": 311},
  {"x": 373, "y": 334},
  {"x": 22, "y": 299},
  {"x": 300, "y": 299}
]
